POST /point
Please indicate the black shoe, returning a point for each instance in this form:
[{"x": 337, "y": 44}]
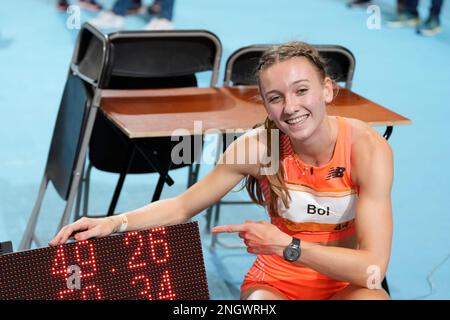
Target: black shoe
[
  {"x": 430, "y": 27},
  {"x": 403, "y": 20},
  {"x": 358, "y": 3},
  {"x": 135, "y": 9},
  {"x": 154, "y": 9},
  {"x": 62, "y": 6}
]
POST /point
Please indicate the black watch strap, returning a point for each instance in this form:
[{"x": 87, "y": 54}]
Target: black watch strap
[
  {"x": 292, "y": 252},
  {"x": 295, "y": 242}
]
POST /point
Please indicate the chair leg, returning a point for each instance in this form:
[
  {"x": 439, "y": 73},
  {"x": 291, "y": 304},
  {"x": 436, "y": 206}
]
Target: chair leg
[
  {"x": 87, "y": 184},
  {"x": 70, "y": 200},
  {"x": 28, "y": 235},
  {"x": 193, "y": 174},
  {"x": 123, "y": 174},
  {"x": 158, "y": 190},
  {"x": 385, "y": 286},
  {"x": 78, "y": 200},
  {"x": 216, "y": 214},
  {"x": 208, "y": 217},
  {"x": 388, "y": 132},
  {"x": 80, "y": 194},
  {"x": 196, "y": 173},
  {"x": 190, "y": 173}
]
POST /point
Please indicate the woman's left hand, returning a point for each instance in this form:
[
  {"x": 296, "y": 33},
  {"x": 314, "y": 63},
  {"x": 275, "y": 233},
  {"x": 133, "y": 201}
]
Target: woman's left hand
[{"x": 260, "y": 237}]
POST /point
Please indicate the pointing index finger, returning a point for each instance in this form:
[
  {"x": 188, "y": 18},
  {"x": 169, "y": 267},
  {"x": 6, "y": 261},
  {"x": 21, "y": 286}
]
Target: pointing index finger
[{"x": 229, "y": 228}]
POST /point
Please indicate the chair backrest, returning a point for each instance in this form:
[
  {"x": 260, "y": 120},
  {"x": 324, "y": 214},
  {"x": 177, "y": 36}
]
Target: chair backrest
[
  {"x": 340, "y": 63},
  {"x": 144, "y": 56},
  {"x": 91, "y": 55},
  {"x": 241, "y": 65},
  {"x": 140, "y": 60},
  {"x": 67, "y": 134}
]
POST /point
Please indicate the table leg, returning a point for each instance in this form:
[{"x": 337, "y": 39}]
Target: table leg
[
  {"x": 388, "y": 132},
  {"x": 153, "y": 161},
  {"x": 120, "y": 182}
]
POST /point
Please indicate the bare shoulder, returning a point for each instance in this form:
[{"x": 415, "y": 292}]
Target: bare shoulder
[
  {"x": 367, "y": 139},
  {"x": 370, "y": 151}
]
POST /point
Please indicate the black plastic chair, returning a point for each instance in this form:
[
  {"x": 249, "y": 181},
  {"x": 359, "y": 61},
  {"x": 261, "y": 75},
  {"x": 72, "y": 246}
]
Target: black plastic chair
[
  {"x": 64, "y": 166},
  {"x": 145, "y": 60},
  {"x": 103, "y": 61},
  {"x": 241, "y": 65}
]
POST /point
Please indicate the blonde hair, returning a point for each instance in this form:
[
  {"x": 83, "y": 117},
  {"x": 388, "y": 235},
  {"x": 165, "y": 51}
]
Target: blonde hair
[{"x": 277, "y": 184}]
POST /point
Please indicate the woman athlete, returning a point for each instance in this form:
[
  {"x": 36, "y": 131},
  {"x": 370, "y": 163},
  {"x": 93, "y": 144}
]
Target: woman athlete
[{"x": 329, "y": 200}]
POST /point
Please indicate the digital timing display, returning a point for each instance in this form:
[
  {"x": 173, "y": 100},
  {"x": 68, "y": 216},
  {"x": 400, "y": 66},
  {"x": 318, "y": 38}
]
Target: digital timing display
[{"x": 164, "y": 263}]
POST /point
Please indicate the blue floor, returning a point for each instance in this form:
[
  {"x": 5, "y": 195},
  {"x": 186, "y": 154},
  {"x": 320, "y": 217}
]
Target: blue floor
[{"x": 395, "y": 68}]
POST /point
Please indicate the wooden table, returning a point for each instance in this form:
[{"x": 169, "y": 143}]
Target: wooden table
[
  {"x": 155, "y": 113},
  {"x": 159, "y": 112}
]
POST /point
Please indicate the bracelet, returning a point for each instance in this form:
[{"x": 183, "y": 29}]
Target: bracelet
[{"x": 124, "y": 223}]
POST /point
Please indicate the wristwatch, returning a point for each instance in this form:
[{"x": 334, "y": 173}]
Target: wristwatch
[{"x": 292, "y": 252}]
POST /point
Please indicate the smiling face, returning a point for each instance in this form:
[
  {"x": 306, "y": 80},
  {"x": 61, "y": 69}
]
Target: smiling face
[{"x": 295, "y": 96}]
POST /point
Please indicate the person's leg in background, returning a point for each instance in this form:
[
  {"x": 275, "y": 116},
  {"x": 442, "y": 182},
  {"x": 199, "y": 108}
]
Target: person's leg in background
[
  {"x": 408, "y": 16},
  {"x": 135, "y": 7},
  {"x": 164, "y": 19},
  {"x": 401, "y": 6},
  {"x": 91, "y": 5},
  {"x": 62, "y": 5},
  {"x": 167, "y": 9},
  {"x": 114, "y": 19},
  {"x": 359, "y": 3},
  {"x": 432, "y": 25},
  {"x": 154, "y": 8}
]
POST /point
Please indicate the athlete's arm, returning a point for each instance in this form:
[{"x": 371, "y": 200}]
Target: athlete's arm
[
  {"x": 226, "y": 174},
  {"x": 372, "y": 166}
]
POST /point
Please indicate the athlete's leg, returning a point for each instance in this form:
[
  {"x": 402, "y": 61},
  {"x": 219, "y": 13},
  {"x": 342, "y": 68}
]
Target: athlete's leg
[
  {"x": 352, "y": 292},
  {"x": 262, "y": 293}
]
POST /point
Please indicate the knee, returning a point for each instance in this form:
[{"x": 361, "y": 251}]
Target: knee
[
  {"x": 359, "y": 293},
  {"x": 262, "y": 294}
]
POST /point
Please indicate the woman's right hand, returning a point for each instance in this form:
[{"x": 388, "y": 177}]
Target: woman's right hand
[{"x": 86, "y": 228}]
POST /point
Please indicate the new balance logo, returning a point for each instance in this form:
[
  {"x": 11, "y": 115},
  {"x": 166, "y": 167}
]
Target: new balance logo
[{"x": 335, "y": 172}]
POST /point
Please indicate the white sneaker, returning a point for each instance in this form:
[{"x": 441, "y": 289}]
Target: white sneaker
[
  {"x": 108, "y": 20},
  {"x": 159, "y": 24}
]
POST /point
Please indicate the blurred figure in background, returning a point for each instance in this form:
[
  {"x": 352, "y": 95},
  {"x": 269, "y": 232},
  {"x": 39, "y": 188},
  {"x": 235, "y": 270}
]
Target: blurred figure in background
[
  {"x": 409, "y": 16},
  {"x": 364, "y": 3},
  {"x": 62, "y": 5},
  {"x": 115, "y": 19},
  {"x": 359, "y": 3},
  {"x": 163, "y": 10}
]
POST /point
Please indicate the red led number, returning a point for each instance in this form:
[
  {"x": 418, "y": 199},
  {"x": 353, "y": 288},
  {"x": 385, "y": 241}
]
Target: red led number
[
  {"x": 91, "y": 292},
  {"x": 147, "y": 286},
  {"x": 88, "y": 248},
  {"x": 60, "y": 266},
  {"x": 154, "y": 243},
  {"x": 165, "y": 287},
  {"x": 132, "y": 264},
  {"x": 60, "y": 262},
  {"x": 95, "y": 293},
  {"x": 85, "y": 259}
]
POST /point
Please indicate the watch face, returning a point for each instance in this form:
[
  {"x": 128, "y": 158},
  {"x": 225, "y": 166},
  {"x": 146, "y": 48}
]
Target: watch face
[{"x": 291, "y": 254}]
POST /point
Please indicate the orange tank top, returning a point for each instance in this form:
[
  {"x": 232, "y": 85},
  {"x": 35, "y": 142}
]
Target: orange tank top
[{"x": 323, "y": 199}]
